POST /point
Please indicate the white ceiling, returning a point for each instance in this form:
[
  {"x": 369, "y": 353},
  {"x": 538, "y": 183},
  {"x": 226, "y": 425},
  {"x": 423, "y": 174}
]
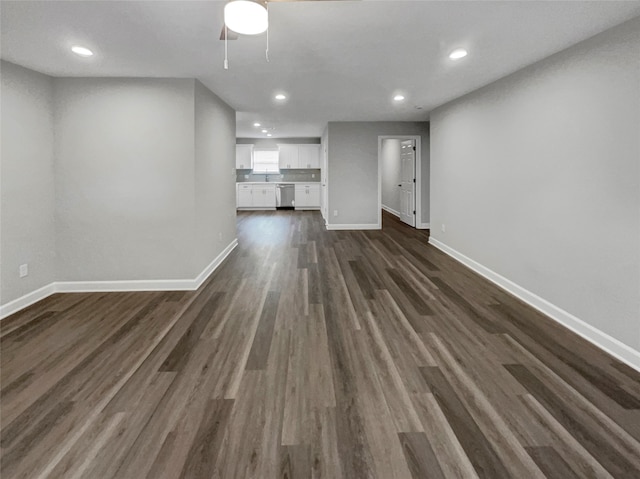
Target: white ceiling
[{"x": 336, "y": 60}]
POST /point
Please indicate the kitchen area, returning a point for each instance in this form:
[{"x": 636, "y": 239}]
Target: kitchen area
[{"x": 273, "y": 175}]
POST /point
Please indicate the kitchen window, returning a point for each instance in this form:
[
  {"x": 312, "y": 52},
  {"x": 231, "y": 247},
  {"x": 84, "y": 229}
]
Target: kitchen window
[{"x": 265, "y": 161}]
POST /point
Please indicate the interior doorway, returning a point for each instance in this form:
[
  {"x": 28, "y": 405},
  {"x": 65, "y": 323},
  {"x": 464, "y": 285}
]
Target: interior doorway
[
  {"x": 399, "y": 188},
  {"x": 407, "y": 184}
]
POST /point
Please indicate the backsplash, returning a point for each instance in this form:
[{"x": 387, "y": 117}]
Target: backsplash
[{"x": 285, "y": 175}]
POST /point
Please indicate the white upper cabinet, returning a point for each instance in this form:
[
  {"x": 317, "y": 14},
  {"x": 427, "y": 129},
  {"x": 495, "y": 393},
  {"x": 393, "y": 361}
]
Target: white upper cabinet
[
  {"x": 244, "y": 157},
  {"x": 299, "y": 156},
  {"x": 288, "y": 156},
  {"x": 309, "y": 156}
]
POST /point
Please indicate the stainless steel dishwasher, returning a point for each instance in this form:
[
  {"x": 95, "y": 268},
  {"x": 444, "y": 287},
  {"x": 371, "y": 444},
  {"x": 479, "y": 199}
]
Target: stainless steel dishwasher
[{"x": 285, "y": 196}]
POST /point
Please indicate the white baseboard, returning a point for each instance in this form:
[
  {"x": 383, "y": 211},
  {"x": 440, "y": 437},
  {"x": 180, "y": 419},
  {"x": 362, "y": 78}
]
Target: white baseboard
[
  {"x": 211, "y": 267},
  {"x": 116, "y": 286},
  {"x": 26, "y": 300},
  {"x": 353, "y": 227},
  {"x": 611, "y": 345},
  {"x": 126, "y": 285},
  {"x": 391, "y": 210},
  {"x": 424, "y": 226}
]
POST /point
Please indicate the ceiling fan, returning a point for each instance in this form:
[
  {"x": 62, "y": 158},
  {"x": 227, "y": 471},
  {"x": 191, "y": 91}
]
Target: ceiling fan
[{"x": 248, "y": 17}]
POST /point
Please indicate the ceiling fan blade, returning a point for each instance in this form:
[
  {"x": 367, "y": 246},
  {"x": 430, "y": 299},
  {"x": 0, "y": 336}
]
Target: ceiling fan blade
[{"x": 231, "y": 35}]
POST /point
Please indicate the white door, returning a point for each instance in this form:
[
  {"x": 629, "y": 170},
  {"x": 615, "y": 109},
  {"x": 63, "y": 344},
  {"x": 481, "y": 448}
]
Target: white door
[{"x": 408, "y": 182}]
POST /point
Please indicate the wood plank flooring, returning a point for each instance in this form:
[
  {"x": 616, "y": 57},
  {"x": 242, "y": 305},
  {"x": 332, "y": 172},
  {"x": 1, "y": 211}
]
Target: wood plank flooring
[{"x": 312, "y": 354}]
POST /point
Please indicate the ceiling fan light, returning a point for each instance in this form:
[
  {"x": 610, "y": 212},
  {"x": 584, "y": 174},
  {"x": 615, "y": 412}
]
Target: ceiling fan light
[
  {"x": 82, "y": 51},
  {"x": 458, "y": 53},
  {"x": 246, "y": 17}
]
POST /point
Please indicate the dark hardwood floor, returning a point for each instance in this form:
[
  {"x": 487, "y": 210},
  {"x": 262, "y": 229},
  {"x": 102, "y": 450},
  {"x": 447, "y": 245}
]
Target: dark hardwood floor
[{"x": 312, "y": 354}]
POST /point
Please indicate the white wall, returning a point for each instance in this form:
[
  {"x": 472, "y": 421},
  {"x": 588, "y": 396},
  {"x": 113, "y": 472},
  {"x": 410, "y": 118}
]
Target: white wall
[
  {"x": 324, "y": 165},
  {"x": 111, "y": 179},
  {"x": 125, "y": 205},
  {"x": 27, "y": 232},
  {"x": 391, "y": 172},
  {"x": 537, "y": 177},
  {"x": 353, "y": 168},
  {"x": 215, "y": 175}
]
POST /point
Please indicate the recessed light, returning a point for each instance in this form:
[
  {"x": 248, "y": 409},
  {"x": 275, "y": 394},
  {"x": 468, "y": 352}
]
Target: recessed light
[
  {"x": 264, "y": 131},
  {"x": 82, "y": 51},
  {"x": 458, "y": 54},
  {"x": 269, "y": 134},
  {"x": 280, "y": 96},
  {"x": 398, "y": 97},
  {"x": 256, "y": 124}
]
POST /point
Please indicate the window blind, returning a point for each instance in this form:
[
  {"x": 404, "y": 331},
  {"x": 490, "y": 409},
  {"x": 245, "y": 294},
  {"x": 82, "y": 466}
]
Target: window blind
[{"x": 265, "y": 161}]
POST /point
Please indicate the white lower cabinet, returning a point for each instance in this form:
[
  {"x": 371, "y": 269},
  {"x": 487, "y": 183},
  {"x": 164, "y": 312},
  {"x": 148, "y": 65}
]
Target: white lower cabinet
[
  {"x": 307, "y": 196},
  {"x": 264, "y": 196},
  {"x": 256, "y": 196},
  {"x": 245, "y": 196}
]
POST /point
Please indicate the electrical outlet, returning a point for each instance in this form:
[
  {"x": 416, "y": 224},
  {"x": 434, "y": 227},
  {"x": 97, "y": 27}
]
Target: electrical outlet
[
  {"x": 443, "y": 228},
  {"x": 335, "y": 212},
  {"x": 313, "y": 175},
  {"x": 24, "y": 270},
  {"x": 246, "y": 177},
  {"x": 219, "y": 236}
]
